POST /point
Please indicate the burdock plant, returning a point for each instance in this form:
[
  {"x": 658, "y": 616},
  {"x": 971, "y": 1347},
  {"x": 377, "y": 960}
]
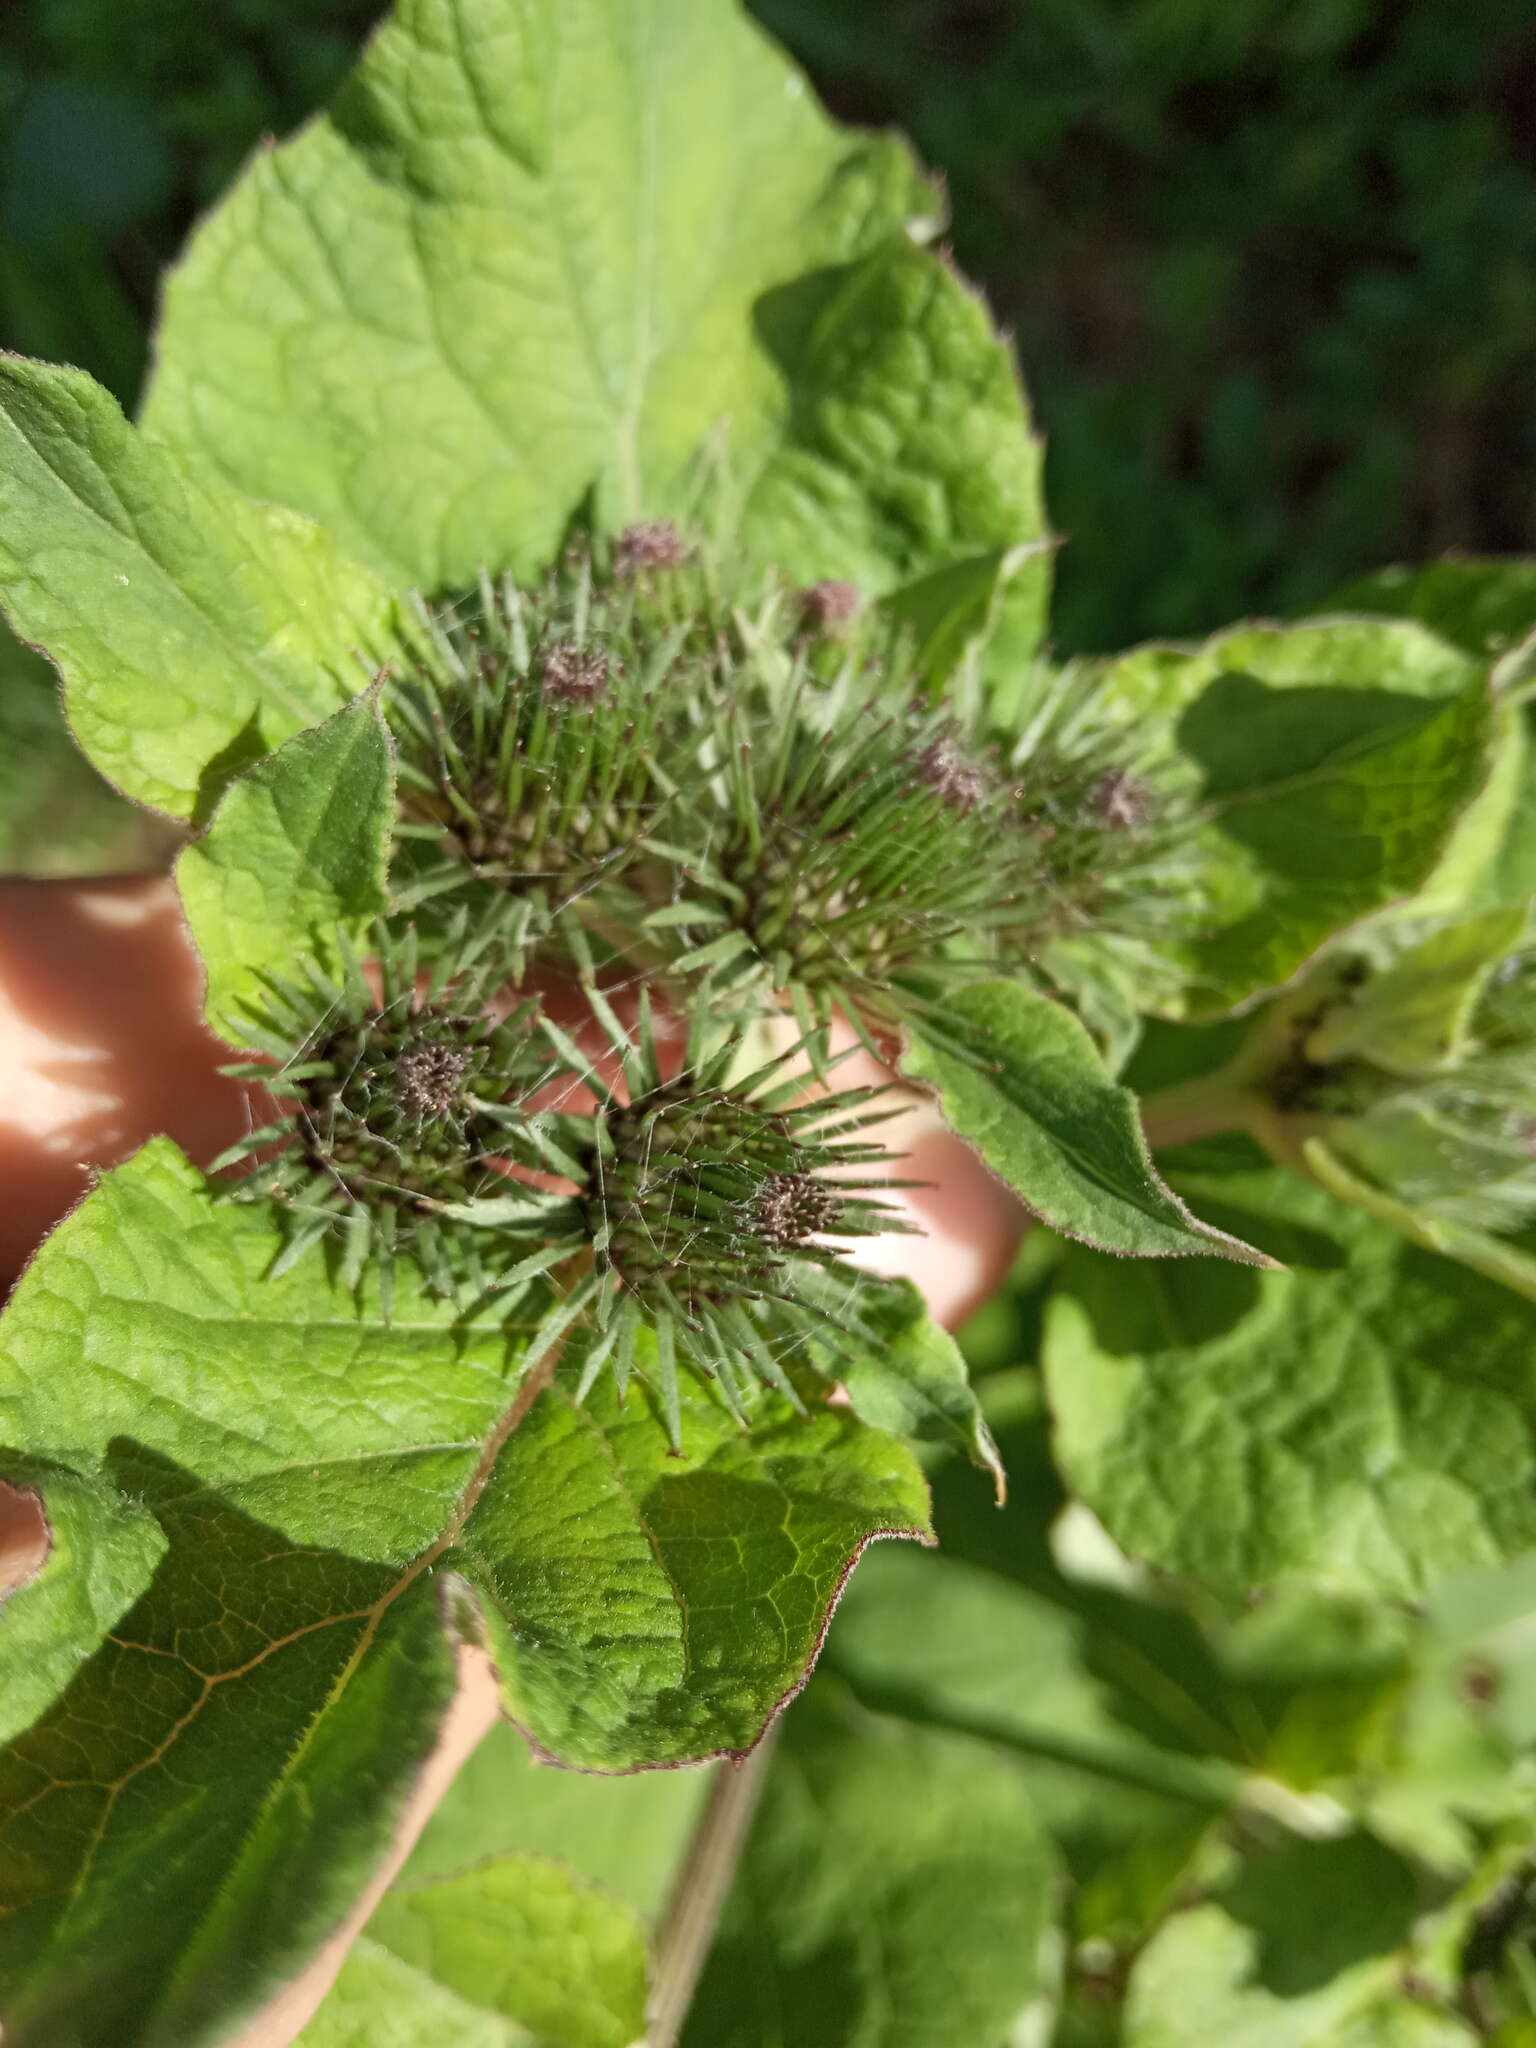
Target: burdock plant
[{"x": 577, "y": 596}]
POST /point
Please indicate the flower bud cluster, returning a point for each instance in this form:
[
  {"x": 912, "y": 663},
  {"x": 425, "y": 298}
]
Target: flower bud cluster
[{"x": 745, "y": 801}]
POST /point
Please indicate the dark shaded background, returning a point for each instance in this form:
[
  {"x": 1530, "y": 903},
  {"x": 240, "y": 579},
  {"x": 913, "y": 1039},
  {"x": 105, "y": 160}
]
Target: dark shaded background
[{"x": 1271, "y": 263}]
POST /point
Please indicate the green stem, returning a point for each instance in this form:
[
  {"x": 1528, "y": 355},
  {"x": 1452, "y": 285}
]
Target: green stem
[
  {"x": 1209, "y": 1782},
  {"x": 693, "y": 1911},
  {"x": 1202, "y": 1108}
]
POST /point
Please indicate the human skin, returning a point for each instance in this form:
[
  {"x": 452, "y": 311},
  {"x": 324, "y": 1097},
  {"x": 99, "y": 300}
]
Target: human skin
[{"x": 102, "y": 1046}]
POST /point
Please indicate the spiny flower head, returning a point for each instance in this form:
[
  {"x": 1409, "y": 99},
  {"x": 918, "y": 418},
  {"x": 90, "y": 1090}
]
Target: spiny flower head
[
  {"x": 430, "y": 1073},
  {"x": 1121, "y": 883},
  {"x": 954, "y": 772},
  {"x": 532, "y": 741},
  {"x": 846, "y": 864},
  {"x": 703, "y": 1203},
  {"x": 873, "y": 851},
  {"x": 648, "y": 546},
  {"x": 631, "y": 775},
  {"x": 830, "y": 607},
  {"x": 570, "y": 673},
  {"x": 1121, "y": 801},
  {"x": 792, "y": 1208},
  {"x": 685, "y": 781},
  {"x": 398, "y": 1093}
]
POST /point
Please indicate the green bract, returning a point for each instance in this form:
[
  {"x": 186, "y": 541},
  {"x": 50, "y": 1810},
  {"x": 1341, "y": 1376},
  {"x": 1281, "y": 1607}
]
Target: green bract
[
  {"x": 575, "y": 601},
  {"x": 193, "y": 628}
]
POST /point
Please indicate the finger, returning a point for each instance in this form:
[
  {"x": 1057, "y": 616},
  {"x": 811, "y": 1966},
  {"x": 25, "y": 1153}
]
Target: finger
[
  {"x": 102, "y": 1044},
  {"x": 24, "y": 1537}
]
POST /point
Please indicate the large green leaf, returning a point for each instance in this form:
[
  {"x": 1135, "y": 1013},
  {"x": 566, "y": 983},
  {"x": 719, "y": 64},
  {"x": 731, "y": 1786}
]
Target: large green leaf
[
  {"x": 898, "y": 454},
  {"x": 995, "y": 1643},
  {"x": 1020, "y": 1078},
  {"x": 1308, "y": 1947},
  {"x": 341, "y": 1502},
  {"x": 212, "y": 1792},
  {"x": 298, "y": 848},
  {"x": 541, "y": 248},
  {"x": 982, "y": 1652},
  {"x": 1133, "y": 1722},
  {"x": 1366, "y": 1418},
  {"x": 646, "y": 1609},
  {"x": 1482, "y": 603},
  {"x": 892, "y": 1894},
  {"x": 1328, "y": 764},
  {"x": 193, "y": 629}
]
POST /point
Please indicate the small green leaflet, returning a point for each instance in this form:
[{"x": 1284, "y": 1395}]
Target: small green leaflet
[
  {"x": 298, "y": 848},
  {"x": 996, "y": 600},
  {"x": 194, "y": 630},
  {"x": 911, "y": 1378},
  {"x": 573, "y": 1971},
  {"x": 1413, "y": 1012},
  {"x": 341, "y": 1502},
  {"x": 528, "y": 1904},
  {"x": 1020, "y": 1078},
  {"x": 1329, "y": 763},
  {"x": 529, "y": 1901},
  {"x": 1490, "y": 857},
  {"x": 380, "y": 2002},
  {"x": 608, "y": 251},
  {"x": 1365, "y": 1420},
  {"x": 1508, "y": 875}
]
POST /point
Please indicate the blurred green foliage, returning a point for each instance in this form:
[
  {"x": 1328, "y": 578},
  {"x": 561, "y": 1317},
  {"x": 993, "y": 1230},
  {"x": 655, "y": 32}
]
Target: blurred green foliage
[{"x": 1271, "y": 263}]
